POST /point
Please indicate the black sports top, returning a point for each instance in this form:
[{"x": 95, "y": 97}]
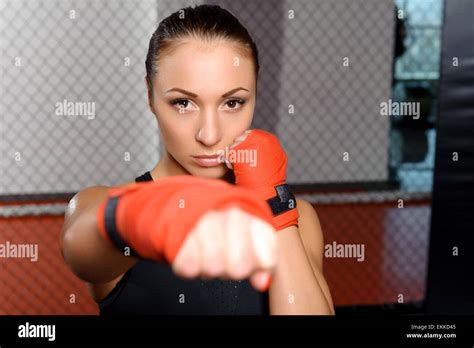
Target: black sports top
[{"x": 152, "y": 288}]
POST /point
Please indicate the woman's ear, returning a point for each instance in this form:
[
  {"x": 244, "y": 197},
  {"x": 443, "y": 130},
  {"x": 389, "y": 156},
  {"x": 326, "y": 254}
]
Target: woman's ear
[{"x": 150, "y": 95}]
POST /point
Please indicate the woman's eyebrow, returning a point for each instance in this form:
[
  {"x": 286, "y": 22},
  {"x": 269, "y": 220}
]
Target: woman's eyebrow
[
  {"x": 233, "y": 91},
  {"x": 195, "y": 95}
]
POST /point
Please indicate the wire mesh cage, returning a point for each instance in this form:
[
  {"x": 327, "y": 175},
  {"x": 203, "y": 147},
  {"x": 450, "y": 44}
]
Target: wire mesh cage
[{"x": 332, "y": 74}]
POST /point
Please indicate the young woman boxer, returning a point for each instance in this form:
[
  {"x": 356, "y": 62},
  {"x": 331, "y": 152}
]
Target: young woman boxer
[{"x": 203, "y": 232}]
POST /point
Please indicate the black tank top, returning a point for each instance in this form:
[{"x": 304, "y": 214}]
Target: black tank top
[{"x": 152, "y": 288}]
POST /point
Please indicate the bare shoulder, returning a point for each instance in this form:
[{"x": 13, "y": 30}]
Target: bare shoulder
[
  {"x": 310, "y": 231},
  {"x": 85, "y": 196},
  {"x": 80, "y": 201},
  {"x": 307, "y": 212},
  {"x": 83, "y": 199}
]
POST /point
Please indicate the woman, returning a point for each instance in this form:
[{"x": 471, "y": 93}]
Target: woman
[{"x": 218, "y": 266}]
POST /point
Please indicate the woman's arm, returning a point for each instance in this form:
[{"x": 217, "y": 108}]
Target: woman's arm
[
  {"x": 89, "y": 256},
  {"x": 298, "y": 285}
]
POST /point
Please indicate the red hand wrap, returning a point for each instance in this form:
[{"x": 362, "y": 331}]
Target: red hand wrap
[
  {"x": 268, "y": 173},
  {"x": 154, "y": 218}
]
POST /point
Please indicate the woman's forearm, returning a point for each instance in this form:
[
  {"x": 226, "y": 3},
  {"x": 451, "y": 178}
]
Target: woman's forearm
[{"x": 295, "y": 289}]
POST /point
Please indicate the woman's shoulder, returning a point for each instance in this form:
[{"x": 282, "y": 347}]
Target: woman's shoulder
[
  {"x": 82, "y": 200},
  {"x": 310, "y": 230},
  {"x": 90, "y": 194},
  {"x": 305, "y": 209}
]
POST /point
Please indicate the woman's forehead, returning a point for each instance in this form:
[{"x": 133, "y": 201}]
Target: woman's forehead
[
  {"x": 220, "y": 67},
  {"x": 195, "y": 51}
]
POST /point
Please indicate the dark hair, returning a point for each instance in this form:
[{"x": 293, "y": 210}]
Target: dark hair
[{"x": 203, "y": 21}]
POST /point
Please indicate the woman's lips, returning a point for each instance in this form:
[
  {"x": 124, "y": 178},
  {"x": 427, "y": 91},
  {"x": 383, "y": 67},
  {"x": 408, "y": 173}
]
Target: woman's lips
[{"x": 207, "y": 161}]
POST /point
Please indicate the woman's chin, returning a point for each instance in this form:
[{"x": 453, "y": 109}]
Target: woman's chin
[{"x": 210, "y": 172}]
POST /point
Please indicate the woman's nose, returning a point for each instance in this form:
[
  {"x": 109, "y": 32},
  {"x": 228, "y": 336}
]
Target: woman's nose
[{"x": 209, "y": 132}]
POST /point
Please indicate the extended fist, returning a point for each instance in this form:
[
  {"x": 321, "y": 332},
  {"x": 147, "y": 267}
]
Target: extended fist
[{"x": 229, "y": 244}]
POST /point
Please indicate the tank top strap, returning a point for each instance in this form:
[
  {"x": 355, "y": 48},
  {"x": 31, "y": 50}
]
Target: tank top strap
[{"x": 145, "y": 177}]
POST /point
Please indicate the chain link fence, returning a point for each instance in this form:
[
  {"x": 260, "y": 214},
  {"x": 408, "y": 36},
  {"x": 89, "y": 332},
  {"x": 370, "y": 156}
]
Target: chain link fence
[{"x": 331, "y": 73}]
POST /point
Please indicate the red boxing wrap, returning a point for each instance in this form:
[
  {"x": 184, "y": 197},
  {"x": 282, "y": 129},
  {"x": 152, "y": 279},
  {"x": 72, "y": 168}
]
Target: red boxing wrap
[
  {"x": 154, "y": 218},
  {"x": 267, "y": 176}
]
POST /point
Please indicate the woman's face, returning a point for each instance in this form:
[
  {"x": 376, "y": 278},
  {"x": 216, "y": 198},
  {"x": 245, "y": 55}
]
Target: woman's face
[{"x": 203, "y": 98}]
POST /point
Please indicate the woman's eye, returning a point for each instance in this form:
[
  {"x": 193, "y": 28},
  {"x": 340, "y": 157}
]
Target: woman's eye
[
  {"x": 185, "y": 104},
  {"x": 235, "y": 103},
  {"x": 181, "y": 103}
]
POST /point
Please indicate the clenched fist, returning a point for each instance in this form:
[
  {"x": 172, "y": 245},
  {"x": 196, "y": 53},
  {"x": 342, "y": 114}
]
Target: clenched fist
[{"x": 229, "y": 244}]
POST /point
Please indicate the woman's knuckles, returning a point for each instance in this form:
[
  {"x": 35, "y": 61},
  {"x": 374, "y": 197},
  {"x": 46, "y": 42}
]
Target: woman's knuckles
[{"x": 230, "y": 244}]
